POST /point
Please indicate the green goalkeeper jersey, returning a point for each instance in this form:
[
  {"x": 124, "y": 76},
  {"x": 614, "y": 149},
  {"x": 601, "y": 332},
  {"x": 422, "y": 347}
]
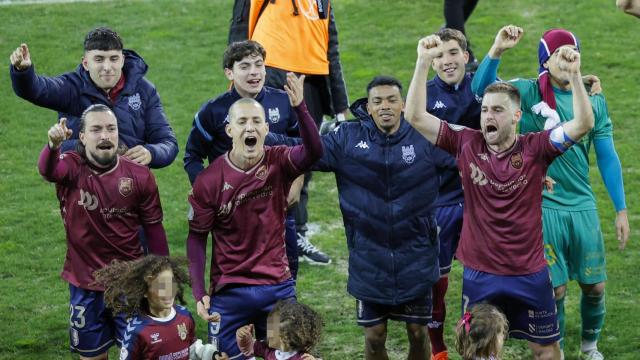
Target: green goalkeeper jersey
[{"x": 572, "y": 190}]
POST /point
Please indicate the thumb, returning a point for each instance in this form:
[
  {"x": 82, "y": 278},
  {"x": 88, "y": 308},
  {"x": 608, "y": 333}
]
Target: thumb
[{"x": 25, "y": 52}]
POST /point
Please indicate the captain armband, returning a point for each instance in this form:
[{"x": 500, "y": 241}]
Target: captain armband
[{"x": 560, "y": 139}]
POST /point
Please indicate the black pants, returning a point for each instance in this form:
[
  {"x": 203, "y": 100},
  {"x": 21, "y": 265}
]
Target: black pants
[{"x": 456, "y": 13}]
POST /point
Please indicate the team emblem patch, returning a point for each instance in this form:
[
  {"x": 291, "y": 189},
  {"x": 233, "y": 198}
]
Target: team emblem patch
[
  {"x": 135, "y": 102},
  {"x": 182, "y": 331},
  {"x": 408, "y": 154},
  {"x": 274, "y": 115},
  {"x": 261, "y": 173},
  {"x": 125, "y": 186},
  {"x": 516, "y": 160}
]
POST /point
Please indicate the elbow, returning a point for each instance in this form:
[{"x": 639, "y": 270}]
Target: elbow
[{"x": 410, "y": 116}]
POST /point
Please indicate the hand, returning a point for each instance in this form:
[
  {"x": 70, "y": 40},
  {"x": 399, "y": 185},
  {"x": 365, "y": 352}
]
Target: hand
[
  {"x": 59, "y": 133},
  {"x": 622, "y": 228},
  {"x": 308, "y": 357},
  {"x": 548, "y": 183},
  {"x": 21, "y": 58},
  {"x": 429, "y": 48},
  {"x": 295, "y": 88},
  {"x": 507, "y": 37},
  {"x": 244, "y": 339},
  {"x": 568, "y": 60},
  {"x": 222, "y": 356},
  {"x": 593, "y": 82},
  {"x": 202, "y": 307},
  {"x": 139, "y": 154}
]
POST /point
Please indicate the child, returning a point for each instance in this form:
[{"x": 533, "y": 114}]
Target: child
[
  {"x": 293, "y": 330},
  {"x": 145, "y": 290},
  {"x": 481, "y": 333}
]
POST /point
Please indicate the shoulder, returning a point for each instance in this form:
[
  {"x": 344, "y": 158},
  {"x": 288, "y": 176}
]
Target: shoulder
[{"x": 271, "y": 91}]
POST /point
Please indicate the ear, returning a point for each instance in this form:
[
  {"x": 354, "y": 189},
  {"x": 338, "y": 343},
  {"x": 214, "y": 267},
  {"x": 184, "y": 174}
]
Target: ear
[
  {"x": 546, "y": 64},
  {"x": 82, "y": 138},
  {"x": 85, "y": 63},
  {"x": 228, "y": 73},
  {"x": 368, "y": 107},
  {"x": 227, "y": 129},
  {"x": 516, "y": 116},
  {"x": 466, "y": 57}
]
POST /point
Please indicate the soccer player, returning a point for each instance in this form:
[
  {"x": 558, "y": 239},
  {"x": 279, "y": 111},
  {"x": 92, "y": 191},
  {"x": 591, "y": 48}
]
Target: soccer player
[
  {"x": 241, "y": 199},
  {"x": 502, "y": 174},
  {"x": 243, "y": 64},
  {"x": 450, "y": 98},
  {"x": 108, "y": 75},
  {"x": 104, "y": 199},
  {"x": 387, "y": 177},
  {"x": 574, "y": 245}
]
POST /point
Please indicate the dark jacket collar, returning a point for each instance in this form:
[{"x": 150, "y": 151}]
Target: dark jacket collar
[
  {"x": 134, "y": 70},
  {"x": 359, "y": 110}
]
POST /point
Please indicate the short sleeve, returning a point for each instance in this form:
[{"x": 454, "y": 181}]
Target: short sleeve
[
  {"x": 451, "y": 137},
  {"x": 150, "y": 207},
  {"x": 201, "y": 214},
  {"x": 603, "y": 127}
]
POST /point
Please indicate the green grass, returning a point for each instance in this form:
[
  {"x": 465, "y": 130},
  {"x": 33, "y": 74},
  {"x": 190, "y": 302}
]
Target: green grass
[{"x": 182, "y": 41}]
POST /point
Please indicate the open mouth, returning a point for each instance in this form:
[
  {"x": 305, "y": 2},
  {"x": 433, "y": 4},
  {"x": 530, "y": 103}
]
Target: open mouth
[
  {"x": 254, "y": 82},
  {"x": 491, "y": 129},
  {"x": 250, "y": 141},
  {"x": 386, "y": 116},
  {"x": 450, "y": 70},
  {"x": 105, "y": 146}
]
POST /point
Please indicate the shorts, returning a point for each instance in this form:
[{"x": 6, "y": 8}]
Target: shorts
[
  {"x": 92, "y": 328},
  {"x": 526, "y": 300},
  {"x": 241, "y": 305},
  {"x": 573, "y": 246},
  {"x": 449, "y": 220},
  {"x": 417, "y": 311}
]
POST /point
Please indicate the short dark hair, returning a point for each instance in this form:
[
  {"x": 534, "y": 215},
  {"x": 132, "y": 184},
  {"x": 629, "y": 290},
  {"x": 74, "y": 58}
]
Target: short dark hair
[
  {"x": 502, "y": 87},
  {"x": 92, "y": 109},
  {"x": 238, "y": 50},
  {"x": 384, "y": 80},
  {"x": 446, "y": 34},
  {"x": 102, "y": 38}
]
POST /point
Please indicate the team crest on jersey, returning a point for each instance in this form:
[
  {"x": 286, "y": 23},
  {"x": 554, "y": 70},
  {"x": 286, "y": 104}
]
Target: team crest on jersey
[
  {"x": 261, "y": 173},
  {"x": 125, "y": 186},
  {"x": 182, "y": 331},
  {"x": 408, "y": 154},
  {"x": 274, "y": 115},
  {"x": 135, "y": 102},
  {"x": 516, "y": 160}
]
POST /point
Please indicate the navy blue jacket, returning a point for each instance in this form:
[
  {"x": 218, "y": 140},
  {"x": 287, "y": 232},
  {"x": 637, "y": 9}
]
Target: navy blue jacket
[
  {"x": 387, "y": 187},
  {"x": 208, "y": 138},
  {"x": 456, "y": 105},
  {"x": 141, "y": 118}
]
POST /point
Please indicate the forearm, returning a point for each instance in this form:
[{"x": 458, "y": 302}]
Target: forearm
[
  {"x": 49, "y": 164},
  {"x": 311, "y": 150},
  {"x": 611, "y": 171},
  {"x": 486, "y": 74},
  {"x": 416, "y": 106},
  {"x": 582, "y": 111},
  {"x": 162, "y": 153},
  {"x": 52, "y": 93},
  {"x": 157, "y": 239},
  {"x": 197, "y": 255}
]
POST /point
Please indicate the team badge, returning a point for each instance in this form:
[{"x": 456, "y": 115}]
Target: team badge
[
  {"x": 125, "y": 186},
  {"x": 408, "y": 154},
  {"x": 274, "y": 115},
  {"x": 516, "y": 160},
  {"x": 261, "y": 173},
  {"x": 135, "y": 102},
  {"x": 182, "y": 331}
]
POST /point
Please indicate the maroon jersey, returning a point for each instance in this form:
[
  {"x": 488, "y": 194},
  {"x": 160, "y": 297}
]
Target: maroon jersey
[
  {"x": 502, "y": 227},
  {"x": 262, "y": 350},
  {"x": 152, "y": 338},
  {"x": 245, "y": 211},
  {"x": 102, "y": 212}
]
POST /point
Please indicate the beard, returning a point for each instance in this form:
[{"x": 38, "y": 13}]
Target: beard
[{"x": 104, "y": 160}]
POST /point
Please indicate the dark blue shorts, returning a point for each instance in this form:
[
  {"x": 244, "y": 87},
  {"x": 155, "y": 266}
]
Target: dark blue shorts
[
  {"x": 417, "y": 311},
  {"x": 526, "y": 300},
  {"x": 243, "y": 305},
  {"x": 449, "y": 219},
  {"x": 93, "y": 329}
]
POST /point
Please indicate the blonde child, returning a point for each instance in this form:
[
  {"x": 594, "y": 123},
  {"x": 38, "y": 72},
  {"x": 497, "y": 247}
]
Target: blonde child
[{"x": 481, "y": 333}]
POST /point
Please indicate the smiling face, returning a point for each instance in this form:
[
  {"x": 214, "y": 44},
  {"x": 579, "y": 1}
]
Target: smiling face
[
  {"x": 161, "y": 294},
  {"x": 104, "y": 67},
  {"x": 450, "y": 66},
  {"x": 248, "y": 75},
  {"x": 247, "y": 128},
  {"x": 498, "y": 120},
  {"x": 385, "y": 107},
  {"x": 100, "y": 137}
]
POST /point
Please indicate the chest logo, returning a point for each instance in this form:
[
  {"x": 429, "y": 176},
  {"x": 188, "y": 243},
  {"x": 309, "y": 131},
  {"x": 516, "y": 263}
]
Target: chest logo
[
  {"x": 89, "y": 201},
  {"x": 408, "y": 154},
  {"x": 477, "y": 176},
  {"x": 155, "y": 338},
  {"x": 439, "y": 105},
  {"x": 261, "y": 173},
  {"x": 516, "y": 160},
  {"x": 308, "y": 9},
  {"x": 135, "y": 102},
  {"x": 362, "y": 145},
  {"x": 226, "y": 186},
  {"x": 483, "y": 156},
  {"x": 274, "y": 115},
  {"x": 125, "y": 186},
  {"x": 182, "y": 331}
]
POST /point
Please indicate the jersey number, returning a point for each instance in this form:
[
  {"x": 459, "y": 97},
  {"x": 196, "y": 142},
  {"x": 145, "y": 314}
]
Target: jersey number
[{"x": 77, "y": 320}]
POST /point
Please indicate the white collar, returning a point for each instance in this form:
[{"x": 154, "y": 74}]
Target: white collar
[
  {"x": 167, "y": 318},
  {"x": 281, "y": 355}
]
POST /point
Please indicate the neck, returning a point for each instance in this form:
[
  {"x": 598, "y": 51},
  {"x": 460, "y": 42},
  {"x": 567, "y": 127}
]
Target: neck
[
  {"x": 242, "y": 162},
  {"x": 503, "y": 146},
  {"x": 245, "y": 94},
  {"x": 560, "y": 84},
  {"x": 160, "y": 313},
  {"x": 99, "y": 168}
]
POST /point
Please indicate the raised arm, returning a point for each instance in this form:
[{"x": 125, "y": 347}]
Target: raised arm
[
  {"x": 49, "y": 164},
  {"x": 487, "y": 73},
  {"x": 303, "y": 156},
  {"x": 568, "y": 62},
  {"x": 415, "y": 111}
]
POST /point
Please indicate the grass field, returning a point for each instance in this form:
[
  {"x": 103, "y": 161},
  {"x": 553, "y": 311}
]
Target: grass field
[{"x": 182, "y": 41}]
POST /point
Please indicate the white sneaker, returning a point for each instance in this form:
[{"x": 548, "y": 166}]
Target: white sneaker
[{"x": 592, "y": 355}]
